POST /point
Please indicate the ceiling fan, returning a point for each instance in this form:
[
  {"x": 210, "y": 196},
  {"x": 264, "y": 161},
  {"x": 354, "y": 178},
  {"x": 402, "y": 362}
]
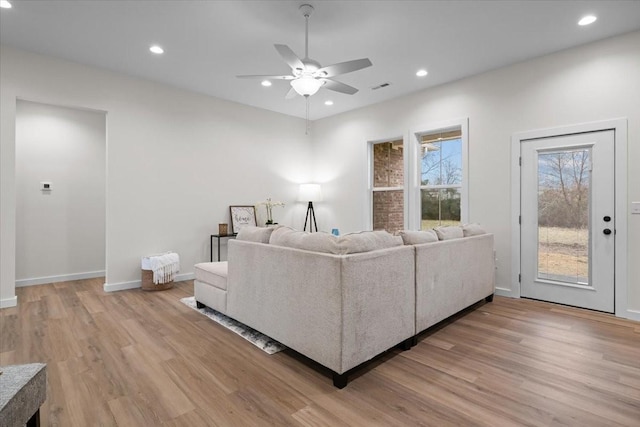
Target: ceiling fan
[{"x": 308, "y": 76}]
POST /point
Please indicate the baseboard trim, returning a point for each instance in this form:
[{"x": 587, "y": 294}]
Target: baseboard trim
[
  {"x": 62, "y": 278},
  {"x": 134, "y": 284},
  {"x": 121, "y": 286},
  {"x": 9, "y": 302},
  {"x": 505, "y": 293},
  {"x": 633, "y": 315},
  {"x": 185, "y": 276}
]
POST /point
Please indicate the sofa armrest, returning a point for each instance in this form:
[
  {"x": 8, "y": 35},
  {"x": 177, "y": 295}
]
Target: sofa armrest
[
  {"x": 378, "y": 296},
  {"x": 293, "y": 296},
  {"x": 452, "y": 275},
  {"x": 339, "y": 310}
]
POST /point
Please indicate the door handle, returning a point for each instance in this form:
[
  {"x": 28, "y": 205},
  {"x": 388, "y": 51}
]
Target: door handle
[{"x": 606, "y": 231}]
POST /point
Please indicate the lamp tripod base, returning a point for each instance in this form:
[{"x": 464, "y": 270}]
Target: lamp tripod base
[{"x": 311, "y": 215}]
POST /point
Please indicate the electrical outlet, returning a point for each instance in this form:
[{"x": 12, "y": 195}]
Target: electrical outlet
[
  {"x": 46, "y": 186},
  {"x": 635, "y": 208}
]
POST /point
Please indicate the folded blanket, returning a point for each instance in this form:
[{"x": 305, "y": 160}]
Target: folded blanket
[{"x": 164, "y": 266}]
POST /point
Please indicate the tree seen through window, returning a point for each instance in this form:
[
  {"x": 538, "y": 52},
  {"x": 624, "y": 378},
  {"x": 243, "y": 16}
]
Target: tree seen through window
[{"x": 441, "y": 179}]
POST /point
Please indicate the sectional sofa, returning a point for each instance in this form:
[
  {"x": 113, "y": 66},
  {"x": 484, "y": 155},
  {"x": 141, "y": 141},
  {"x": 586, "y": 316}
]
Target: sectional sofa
[{"x": 341, "y": 301}]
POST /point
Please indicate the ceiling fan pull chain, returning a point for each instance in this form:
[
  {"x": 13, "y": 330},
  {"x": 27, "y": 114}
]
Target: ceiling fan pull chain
[{"x": 308, "y": 125}]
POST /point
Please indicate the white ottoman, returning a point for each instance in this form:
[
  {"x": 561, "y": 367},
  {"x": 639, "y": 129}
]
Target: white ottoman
[{"x": 210, "y": 285}]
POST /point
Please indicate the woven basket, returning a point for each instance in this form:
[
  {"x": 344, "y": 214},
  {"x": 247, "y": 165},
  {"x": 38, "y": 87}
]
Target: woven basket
[{"x": 148, "y": 285}]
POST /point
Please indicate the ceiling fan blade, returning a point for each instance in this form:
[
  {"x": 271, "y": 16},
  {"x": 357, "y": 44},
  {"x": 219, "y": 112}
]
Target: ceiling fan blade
[
  {"x": 343, "y": 67},
  {"x": 291, "y": 94},
  {"x": 266, "y": 77},
  {"x": 339, "y": 87},
  {"x": 289, "y": 57}
]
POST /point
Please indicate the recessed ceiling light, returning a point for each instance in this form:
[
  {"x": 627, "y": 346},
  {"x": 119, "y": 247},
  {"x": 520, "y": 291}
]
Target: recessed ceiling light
[
  {"x": 266, "y": 83},
  {"x": 156, "y": 49},
  {"x": 586, "y": 20},
  {"x": 5, "y": 4},
  {"x": 328, "y": 102},
  {"x": 421, "y": 73}
]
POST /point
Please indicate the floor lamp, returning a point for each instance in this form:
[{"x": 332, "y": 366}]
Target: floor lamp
[{"x": 310, "y": 193}]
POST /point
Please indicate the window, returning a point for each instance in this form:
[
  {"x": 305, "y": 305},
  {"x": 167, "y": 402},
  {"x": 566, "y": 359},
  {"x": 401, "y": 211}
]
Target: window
[
  {"x": 420, "y": 181},
  {"x": 440, "y": 178},
  {"x": 388, "y": 186}
]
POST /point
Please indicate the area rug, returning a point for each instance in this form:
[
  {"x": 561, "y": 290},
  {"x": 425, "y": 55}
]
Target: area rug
[{"x": 261, "y": 341}]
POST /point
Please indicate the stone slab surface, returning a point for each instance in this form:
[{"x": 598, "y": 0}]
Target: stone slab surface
[{"x": 23, "y": 388}]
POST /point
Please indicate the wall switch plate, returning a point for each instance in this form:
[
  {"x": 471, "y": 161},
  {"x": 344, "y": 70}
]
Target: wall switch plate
[
  {"x": 635, "y": 208},
  {"x": 46, "y": 186}
]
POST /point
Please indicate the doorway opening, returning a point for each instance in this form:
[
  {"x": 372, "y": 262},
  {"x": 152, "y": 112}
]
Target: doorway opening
[{"x": 60, "y": 193}]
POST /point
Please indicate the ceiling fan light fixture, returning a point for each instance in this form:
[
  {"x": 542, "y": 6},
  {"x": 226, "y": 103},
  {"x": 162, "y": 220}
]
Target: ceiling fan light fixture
[
  {"x": 586, "y": 20},
  {"x": 158, "y": 50},
  {"x": 306, "y": 85}
]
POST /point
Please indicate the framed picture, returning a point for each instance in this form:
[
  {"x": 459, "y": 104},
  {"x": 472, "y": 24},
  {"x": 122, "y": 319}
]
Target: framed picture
[{"x": 242, "y": 216}]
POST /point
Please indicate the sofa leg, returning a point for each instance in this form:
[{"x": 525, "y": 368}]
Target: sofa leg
[
  {"x": 407, "y": 344},
  {"x": 340, "y": 380},
  {"x": 489, "y": 298},
  {"x": 200, "y": 305},
  {"x": 414, "y": 341}
]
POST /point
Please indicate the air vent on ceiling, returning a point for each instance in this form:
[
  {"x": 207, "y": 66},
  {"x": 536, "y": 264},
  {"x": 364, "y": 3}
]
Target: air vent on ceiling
[{"x": 380, "y": 86}]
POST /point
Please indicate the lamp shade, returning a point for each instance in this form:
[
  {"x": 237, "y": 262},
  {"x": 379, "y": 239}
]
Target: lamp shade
[
  {"x": 310, "y": 193},
  {"x": 306, "y": 85}
]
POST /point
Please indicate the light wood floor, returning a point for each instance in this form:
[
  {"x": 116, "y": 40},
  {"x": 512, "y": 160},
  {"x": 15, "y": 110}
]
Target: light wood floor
[{"x": 133, "y": 358}]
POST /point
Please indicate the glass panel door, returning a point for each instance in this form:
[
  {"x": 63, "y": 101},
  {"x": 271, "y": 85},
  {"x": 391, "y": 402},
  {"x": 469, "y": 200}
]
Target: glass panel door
[
  {"x": 568, "y": 219},
  {"x": 564, "y": 182}
]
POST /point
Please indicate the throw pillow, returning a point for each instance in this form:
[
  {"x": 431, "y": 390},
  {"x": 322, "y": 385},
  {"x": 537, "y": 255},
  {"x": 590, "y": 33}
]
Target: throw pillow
[
  {"x": 316, "y": 242},
  {"x": 449, "y": 232},
  {"x": 255, "y": 234},
  {"x": 367, "y": 241},
  {"x": 410, "y": 237},
  {"x": 473, "y": 230},
  {"x": 352, "y": 243}
]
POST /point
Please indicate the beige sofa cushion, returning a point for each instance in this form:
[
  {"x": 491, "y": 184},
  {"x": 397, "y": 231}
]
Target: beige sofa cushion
[
  {"x": 367, "y": 241},
  {"x": 351, "y": 243},
  {"x": 474, "y": 229},
  {"x": 212, "y": 273},
  {"x": 315, "y": 242},
  {"x": 255, "y": 234},
  {"x": 449, "y": 232},
  {"x": 410, "y": 237}
]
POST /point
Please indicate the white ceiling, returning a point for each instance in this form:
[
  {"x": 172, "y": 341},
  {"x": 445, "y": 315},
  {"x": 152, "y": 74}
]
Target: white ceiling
[{"x": 207, "y": 43}]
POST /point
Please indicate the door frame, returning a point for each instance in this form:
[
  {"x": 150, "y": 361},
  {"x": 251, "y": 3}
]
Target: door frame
[{"x": 619, "y": 126}]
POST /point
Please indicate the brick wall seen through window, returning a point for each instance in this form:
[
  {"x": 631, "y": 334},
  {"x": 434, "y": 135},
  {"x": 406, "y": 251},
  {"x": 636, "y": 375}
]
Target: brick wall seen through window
[{"x": 388, "y": 183}]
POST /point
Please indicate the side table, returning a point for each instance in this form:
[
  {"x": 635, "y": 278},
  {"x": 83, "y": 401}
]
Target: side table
[
  {"x": 23, "y": 388},
  {"x": 218, "y": 237}
]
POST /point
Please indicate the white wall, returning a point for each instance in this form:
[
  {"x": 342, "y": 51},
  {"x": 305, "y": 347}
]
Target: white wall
[
  {"x": 60, "y": 234},
  {"x": 176, "y": 160},
  {"x": 590, "y": 83}
]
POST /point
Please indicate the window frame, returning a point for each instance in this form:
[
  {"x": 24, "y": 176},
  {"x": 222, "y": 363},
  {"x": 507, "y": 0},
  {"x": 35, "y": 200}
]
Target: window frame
[
  {"x": 413, "y": 170},
  {"x": 415, "y": 205}
]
